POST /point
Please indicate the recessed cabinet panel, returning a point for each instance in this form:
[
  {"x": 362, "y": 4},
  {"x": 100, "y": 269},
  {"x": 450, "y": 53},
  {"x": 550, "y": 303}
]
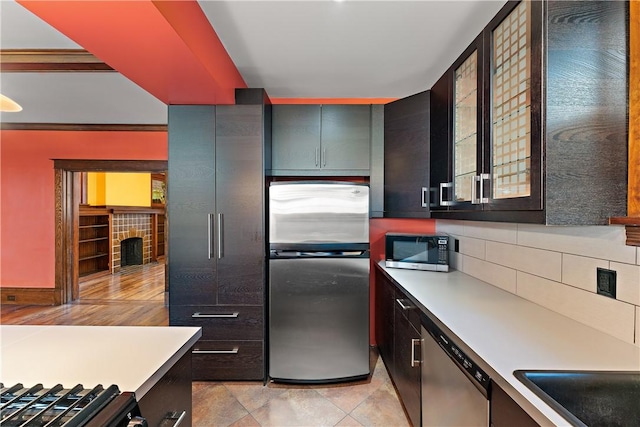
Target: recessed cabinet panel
[
  {"x": 295, "y": 137},
  {"x": 346, "y": 137},
  {"x": 406, "y": 157},
  {"x": 191, "y": 204},
  {"x": 239, "y": 189}
]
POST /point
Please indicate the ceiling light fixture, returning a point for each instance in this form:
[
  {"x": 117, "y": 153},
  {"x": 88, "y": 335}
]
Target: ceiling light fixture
[{"x": 9, "y": 105}]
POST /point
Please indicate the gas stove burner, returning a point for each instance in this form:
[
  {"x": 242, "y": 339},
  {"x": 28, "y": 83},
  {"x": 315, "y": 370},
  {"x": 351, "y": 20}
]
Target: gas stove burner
[{"x": 69, "y": 407}]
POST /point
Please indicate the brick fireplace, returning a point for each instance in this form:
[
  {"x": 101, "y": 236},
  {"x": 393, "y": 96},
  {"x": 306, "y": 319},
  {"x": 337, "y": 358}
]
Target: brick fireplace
[{"x": 128, "y": 225}]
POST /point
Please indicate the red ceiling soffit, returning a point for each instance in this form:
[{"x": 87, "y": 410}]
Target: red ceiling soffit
[{"x": 166, "y": 47}]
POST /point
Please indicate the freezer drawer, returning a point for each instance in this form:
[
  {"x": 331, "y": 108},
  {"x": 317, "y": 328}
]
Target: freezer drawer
[{"x": 318, "y": 319}]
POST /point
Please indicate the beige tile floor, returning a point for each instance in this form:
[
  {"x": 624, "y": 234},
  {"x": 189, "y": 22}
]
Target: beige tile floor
[{"x": 371, "y": 402}]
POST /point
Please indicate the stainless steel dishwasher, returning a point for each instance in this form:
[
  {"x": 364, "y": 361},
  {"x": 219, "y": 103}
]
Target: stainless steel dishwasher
[{"x": 455, "y": 391}]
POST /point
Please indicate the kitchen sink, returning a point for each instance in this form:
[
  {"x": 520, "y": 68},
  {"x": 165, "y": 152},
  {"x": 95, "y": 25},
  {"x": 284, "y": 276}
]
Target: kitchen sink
[{"x": 588, "y": 398}]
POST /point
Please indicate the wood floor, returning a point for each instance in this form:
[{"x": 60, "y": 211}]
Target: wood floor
[
  {"x": 136, "y": 296},
  {"x": 133, "y": 297}
]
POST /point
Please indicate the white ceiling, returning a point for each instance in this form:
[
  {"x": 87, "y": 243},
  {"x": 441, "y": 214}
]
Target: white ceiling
[{"x": 294, "y": 49}]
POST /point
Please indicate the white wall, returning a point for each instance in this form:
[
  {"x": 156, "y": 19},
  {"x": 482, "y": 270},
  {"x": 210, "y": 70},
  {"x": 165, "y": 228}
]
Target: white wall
[{"x": 556, "y": 268}]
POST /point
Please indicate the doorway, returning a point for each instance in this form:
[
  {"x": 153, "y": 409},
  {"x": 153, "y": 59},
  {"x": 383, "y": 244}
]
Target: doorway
[{"x": 67, "y": 206}]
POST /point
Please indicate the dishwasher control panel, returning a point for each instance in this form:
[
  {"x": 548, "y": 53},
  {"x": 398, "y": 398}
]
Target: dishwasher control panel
[{"x": 462, "y": 360}]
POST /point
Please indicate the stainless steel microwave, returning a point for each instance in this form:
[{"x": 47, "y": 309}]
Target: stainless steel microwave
[{"x": 417, "y": 251}]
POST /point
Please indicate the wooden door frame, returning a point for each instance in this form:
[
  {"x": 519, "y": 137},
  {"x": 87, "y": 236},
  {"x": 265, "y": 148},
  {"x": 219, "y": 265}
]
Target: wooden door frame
[{"x": 67, "y": 201}]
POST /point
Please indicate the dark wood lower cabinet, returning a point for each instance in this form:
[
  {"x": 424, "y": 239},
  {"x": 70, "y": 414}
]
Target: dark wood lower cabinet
[
  {"x": 505, "y": 412},
  {"x": 406, "y": 351},
  {"x": 228, "y": 360},
  {"x": 397, "y": 336},
  {"x": 170, "y": 396}
]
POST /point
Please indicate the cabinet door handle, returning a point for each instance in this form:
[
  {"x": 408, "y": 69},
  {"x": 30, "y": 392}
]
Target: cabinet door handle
[
  {"x": 234, "y": 351},
  {"x": 317, "y": 151},
  {"x": 209, "y": 227},
  {"x": 403, "y": 305},
  {"x": 414, "y": 362},
  {"x": 474, "y": 190},
  {"x": 199, "y": 315},
  {"x": 220, "y": 236},
  {"x": 324, "y": 157},
  {"x": 482, "y": 178},
  {"x": 425, "y": 192},
  {"x": 444, "y": 202},
  {"x": 177, "y": 416}
]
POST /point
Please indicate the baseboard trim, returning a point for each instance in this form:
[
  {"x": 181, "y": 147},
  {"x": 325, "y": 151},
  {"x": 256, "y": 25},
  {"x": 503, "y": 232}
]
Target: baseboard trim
[{"x": 30, "y": 296}]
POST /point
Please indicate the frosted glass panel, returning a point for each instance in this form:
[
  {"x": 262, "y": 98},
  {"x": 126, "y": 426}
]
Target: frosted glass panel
[
  {"x": 511, "y": 142},
  {"x": 465, "y": 130}
]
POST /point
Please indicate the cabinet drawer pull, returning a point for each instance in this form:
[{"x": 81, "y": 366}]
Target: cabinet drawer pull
[
  {"x": 414, "y": 362},
  {"x": 403, "y": 305},
  {"x": 234, "y": 351},
  {"x": 177, "y": 416},
  {"x": 201, "y": 315}
]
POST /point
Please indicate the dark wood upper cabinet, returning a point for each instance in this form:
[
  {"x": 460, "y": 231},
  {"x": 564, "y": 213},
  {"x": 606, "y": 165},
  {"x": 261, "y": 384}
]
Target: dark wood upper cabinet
[
  {"x": 406, "y": 157},
  {"x": 552, "y": 118},
  {"x": 321, "y": 140}
]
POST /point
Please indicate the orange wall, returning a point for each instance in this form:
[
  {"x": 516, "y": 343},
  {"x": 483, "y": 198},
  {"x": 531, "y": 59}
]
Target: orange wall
[
  {"x": 377, "y": 229},
  {"x": 27, "y": 235}
]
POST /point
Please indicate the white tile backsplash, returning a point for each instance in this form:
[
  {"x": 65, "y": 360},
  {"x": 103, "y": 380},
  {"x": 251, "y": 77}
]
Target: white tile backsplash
[
  {"x": 494, "y": 231},
  {"x": 555, "y": 267},
  {"x": 604, "y": 242},
  {"x": 605, "y": 314},
  {"x": 542, "y": 263},
  {"x": 495, "y": 274},
  {"x": 581, "y": 271},
  {"x": 455, "y": 228},
  {"x": 502, "y": 253},
  {"x": 627, "y": 282},
  {"x": 472, "y": 247}
]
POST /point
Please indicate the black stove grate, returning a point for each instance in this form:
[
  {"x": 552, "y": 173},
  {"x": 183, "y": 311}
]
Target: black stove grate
[{"x": 52, "y": 407}]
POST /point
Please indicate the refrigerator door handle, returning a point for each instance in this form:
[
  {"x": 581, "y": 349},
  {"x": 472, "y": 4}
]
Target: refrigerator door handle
[{"x": 220, "y": 235}]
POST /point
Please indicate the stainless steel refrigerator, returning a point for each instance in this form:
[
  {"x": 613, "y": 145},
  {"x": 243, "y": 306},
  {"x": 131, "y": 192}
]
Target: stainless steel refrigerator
[{"x": 318, "y": 281}]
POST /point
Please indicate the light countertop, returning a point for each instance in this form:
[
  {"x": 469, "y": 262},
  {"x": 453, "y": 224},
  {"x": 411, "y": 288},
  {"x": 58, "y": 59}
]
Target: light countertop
[
  {"x": 132, "y": 357},
  {"x": 503, "y": 332}
]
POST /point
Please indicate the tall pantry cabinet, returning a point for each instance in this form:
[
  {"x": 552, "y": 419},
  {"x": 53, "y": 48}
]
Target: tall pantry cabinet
[{"x": 216, "y": 259}]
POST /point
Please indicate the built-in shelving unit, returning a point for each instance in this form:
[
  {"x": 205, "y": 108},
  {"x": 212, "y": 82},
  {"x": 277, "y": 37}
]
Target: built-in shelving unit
[
  {"x": 94, "y": 241},
  {"x": 159, "y": 235}
]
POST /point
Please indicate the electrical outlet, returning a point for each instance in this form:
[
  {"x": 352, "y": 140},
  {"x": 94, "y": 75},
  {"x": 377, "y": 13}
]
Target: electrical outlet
[
  {"x": 606, "y": 281},
  {"x": 456, "y": 245}
]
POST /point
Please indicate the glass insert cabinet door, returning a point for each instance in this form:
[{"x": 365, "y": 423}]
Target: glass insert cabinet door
[
  {"x": 511, "y": 106},
  {"x": 512, "y": 164},
  {"x": 465, "y": 129}
]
